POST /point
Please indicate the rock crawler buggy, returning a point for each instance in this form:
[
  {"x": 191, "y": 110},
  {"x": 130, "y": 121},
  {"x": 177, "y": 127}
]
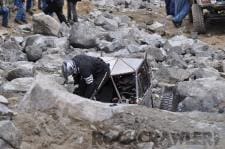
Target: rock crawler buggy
[
  {"x": 130, "y": 80},
  {"x": 206, "y": 10}
]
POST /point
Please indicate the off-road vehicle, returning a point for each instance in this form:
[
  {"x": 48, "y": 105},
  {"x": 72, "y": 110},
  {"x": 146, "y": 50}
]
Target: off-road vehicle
[{"x": 206, "y": 10}]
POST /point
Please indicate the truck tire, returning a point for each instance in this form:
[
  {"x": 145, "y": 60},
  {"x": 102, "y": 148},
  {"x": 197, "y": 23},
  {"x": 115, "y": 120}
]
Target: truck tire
[
  {"x": 167, "y": 102},
  {"x": 198, "y": 19},
  {"x": 169, "y": 99}
]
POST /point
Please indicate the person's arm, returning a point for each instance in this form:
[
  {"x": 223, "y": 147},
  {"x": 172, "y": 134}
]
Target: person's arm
[
  {"x": 90, "y": 86},
  {"x": 89, "y": 80}
]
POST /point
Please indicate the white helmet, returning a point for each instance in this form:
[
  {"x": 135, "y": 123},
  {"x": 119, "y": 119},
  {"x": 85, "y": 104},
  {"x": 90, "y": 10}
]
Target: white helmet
[{"x": 68, "y": 68}]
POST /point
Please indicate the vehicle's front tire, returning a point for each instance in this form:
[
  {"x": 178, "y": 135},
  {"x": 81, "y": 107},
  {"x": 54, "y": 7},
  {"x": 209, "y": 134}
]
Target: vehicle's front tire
[{"x": 198, "y": 19}]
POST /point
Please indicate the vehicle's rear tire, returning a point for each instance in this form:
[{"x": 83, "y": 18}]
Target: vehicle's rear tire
[
  {"x": 167, "y": 102},
  {"x": 168, "y": 99},
  {"x": 198, "y": 19}
]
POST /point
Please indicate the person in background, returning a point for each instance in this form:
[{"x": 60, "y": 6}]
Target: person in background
[
  {"x": 21, "y": 12},
  {"x": 169, "y": 7},
  {"x": 4, "y": 11},
  {"x": 42, "y": 4},
  {"x": 182, "y": 9},
  {"x": 71, "y": 10},
  {"x": 29, "y": 6},
  {"x": 57, "y": 7}
]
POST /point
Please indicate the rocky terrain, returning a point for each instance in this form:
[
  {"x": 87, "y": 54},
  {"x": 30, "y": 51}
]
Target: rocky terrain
[{"x": 37, "y": 111}]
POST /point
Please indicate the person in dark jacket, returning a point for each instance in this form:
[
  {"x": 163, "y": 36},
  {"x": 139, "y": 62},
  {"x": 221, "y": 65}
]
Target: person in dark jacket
[
  {"x": 57, "y": 7},
  {"x": 89, "y": 72},
  {"x": 71, "y": 10}
]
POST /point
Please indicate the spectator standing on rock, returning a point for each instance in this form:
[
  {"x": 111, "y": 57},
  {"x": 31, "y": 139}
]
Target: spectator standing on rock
[
  {"x": 90, "y": 73},
  {"x": 182, "y": 9},
  {"x": 169, "y": 7},
  {"x": 71, "y": 10},
  {"x": 57, "y": 7},
  {"x": 42, "y": 4},
  {"x": 4, "y": 11},
  {"x": 29, "y": 6},
  {"x": 21, "y": 12}
]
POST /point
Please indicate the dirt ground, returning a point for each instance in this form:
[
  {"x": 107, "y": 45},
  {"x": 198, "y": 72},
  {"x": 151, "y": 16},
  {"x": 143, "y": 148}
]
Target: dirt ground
[{"x": 214, "y": 36}]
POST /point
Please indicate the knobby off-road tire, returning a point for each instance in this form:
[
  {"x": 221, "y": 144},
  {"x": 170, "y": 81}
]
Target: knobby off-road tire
[
  {"x": 198, "y": 19},
  {"x": 167, "y": 101}
]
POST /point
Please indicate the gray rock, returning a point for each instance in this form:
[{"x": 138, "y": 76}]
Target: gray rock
[
  {"x": 205, "y": 95},
  {"x": 223, "y": 66},
  {"x": 18, "y": 39},
  {"x": 34, "y": 53},
  {"x": 205, "y": 73},
  {"x": 108, "y": 24},
  {"x": 10, "y": 134},
  {"x": 151, "y": 39},
  {"x": 45, "y": 24},
  {"x": 64, "y": 30},
  {"x": 84, "y": 35},
  {"x": 172, "y": 75},
  {"x": 176, "y": 60},
  {"x": 5, "y": 112},
  {"x": 157, "y": 53},
  {"x": 112, "y": 135},
  {"x": 50, "y": 63},
  {"x": 148, "y": 145},
  {"x": 188, "y": 147},
  {"x": 127, "y": 136},
  {"x": 17, "y": 85},
  {"x": 3, "y": 100},
  {"x": 46, "y": 94},
  {"x": 179, "y": 41},
  {"x": 4, "y": 145},
  {"x": 200, "y": 50},
  {"x": 47, "y": 42},
  {"x": 21, "y": 72},
  {"x": 11, "y": 52},
  {"x": 134, "y": 48},
  {"x": 12, "y": 45}
]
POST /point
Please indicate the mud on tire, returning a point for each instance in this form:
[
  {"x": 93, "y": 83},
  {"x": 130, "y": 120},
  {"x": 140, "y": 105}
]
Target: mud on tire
[{"x": 198, "y": 19}]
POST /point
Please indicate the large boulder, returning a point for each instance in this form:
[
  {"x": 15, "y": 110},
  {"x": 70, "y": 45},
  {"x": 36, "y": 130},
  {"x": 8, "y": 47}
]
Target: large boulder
[
  {"x": 205, "y": 95},
  {"x": 106, "y": 23},
  {"x": 47, "y": 42},
  {"x": 11, "y": 52},
  {"x": 21, "y": 71},
  {"x": 161, "y": 129},
  {"x": 45, "y": 24},
  {"x": 172, "y": 75},
  {"x": 17, "y": 85},
  {"x": 46, "y": 95},
  {"x": 84, "y": 35},
  {"x": 50, "y": 63},
  {"x": 10, "y": 136}
]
